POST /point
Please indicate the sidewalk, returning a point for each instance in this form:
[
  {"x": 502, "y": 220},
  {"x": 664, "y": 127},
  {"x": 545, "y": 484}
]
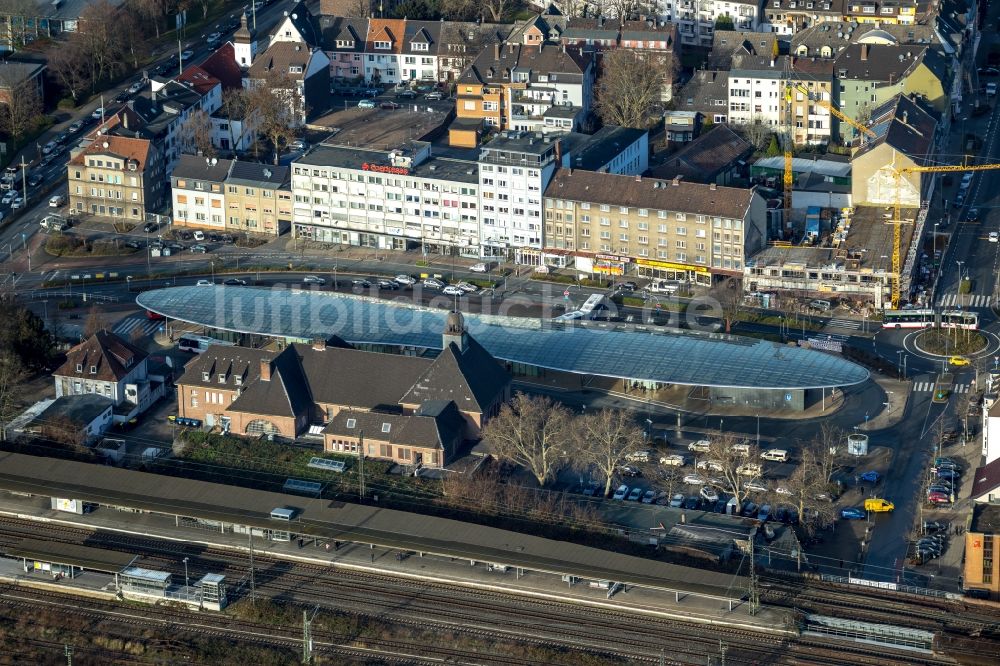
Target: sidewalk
[{"x": 897, "y": 395}]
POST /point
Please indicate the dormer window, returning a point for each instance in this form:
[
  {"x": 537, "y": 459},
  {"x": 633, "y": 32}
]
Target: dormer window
[
  {"x": 222, "y": 378},
  {"x": 419, "y": 46},
  {"x": 351, "y": 423},
  {"x": 205, "y": 377},
  {"x": 238, "y": 380},
  {"x": 93, "y": 369},
  {"x": 386, "y": 427},
  {"x": 295, "y": 69},
  {"x": 345, "y": 44},
  {"x": 385, "y": 46}
]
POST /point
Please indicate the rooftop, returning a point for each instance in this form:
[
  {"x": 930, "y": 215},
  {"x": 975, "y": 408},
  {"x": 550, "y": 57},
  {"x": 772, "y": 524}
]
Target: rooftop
[
  {"x": 358, "y": 158},
  {"x": 382, "y": 129},
  {"x": 639, "y": 353},
  {"x": 987, "y": 478},
  {"x": 96, "y": 559},
  {"x": 985, "y": 519},
  {"x": 704, "y": 158},
  {"x": 80, "y": 410}
]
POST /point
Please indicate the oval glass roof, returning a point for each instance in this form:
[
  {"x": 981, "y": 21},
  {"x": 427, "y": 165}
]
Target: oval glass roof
[{"x": 641, "y": 353}]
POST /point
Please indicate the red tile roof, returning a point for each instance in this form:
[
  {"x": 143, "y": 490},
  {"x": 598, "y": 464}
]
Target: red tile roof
[
  {"x": 200, "y": 80},
  {"x": 223, "y": 66}
]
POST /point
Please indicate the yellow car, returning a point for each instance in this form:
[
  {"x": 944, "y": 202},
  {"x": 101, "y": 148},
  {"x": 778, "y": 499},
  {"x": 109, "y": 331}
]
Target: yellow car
[{"x": 958, "y": 361}]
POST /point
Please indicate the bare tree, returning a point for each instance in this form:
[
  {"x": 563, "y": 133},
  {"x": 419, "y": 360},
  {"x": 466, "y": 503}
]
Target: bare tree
[
  {"x": 96, "y": 321},
  {"x": 152, "y": 11},
  {"x": 100, "y": 38},
  {"x": 826, "y": 451},
  {"x": 757, "y": 132},
  {"x": 498, "y": 9},
  {"x": 729, "y": 295},
  {"x": 668, "y": 478},
  {"x": 68, "y": 65},
  {"x": 196, "y": 135},
  {"x": 234, "y": 105},
  {"x": 532, "y": 432},
  {"x": 12, "y": 373},
  {"x": 627, "y": 90},
  {"x": 20, "y": 111},
  {"x": 279, "y": 107},
  {"x": 605, "y": 439},
  {"x": 358, "y": 9},
  {"x": 622, "y": 9},
  {"x": 734, "y": 465},
  {"x": 63, "y": 430}
]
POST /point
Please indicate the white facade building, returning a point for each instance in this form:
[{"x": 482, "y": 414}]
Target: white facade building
[
  {"x": 756, "y": 96},
  {"x": 696, "y": 19},
  {"x": 197, "y": 191},
  {"x": 400, "y": 199}
]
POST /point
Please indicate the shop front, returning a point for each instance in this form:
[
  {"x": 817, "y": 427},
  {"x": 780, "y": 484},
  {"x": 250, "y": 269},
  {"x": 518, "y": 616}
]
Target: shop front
[
  {"x": 527, "y": 256},
  {"x": 611, "y": 264},
  {"x": 668, "y": 270}
]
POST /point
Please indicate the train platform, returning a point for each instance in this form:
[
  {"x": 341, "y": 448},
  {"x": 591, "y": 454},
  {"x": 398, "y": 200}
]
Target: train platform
[{"x": 364, "y": 557}]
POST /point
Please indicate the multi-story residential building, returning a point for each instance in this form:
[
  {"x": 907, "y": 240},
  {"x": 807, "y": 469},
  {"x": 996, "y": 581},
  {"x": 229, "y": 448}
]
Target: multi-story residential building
[
  {"x": 197, "y": 188},
  {"x": 517, "y": 85},
  {"x": 696, "y": 19},
  {"x": 881, "y": 11},
  {"x": 108, "y": 366},
  {"x": 230, "y": 195},
  {"x": 620, "y": 225},
  {"x": 868, "y": 75},
  {"x": 383, "y": 46},
  {"x": 117, "y": 172},
  {"x": 396, "y": 199},
  {"x": 258, "y": 198},
  {"x": 16, "y": 77},
  {"x": 706, "y": 93},
  {"x": 298, "y": 26},
  {"x": 295, "y": 66},
  {"x": 787, "y": 17},
  {"x": 829, "y": 39},
  {"x": 344, "y": 44}
]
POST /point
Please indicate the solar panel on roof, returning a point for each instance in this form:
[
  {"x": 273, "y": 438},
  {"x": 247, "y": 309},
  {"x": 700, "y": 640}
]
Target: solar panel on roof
[{"x": 327, "y": 464}]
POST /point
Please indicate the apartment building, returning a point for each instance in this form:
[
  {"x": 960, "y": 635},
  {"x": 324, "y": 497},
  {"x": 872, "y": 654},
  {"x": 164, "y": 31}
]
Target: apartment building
[
  {"x": 117, "y": 172},
  {"x": 881, "y": 11},
  {"x": 232, "y": 196},
  {"x": 696, "y": 19},
  {"x": 787, "y": 17},
  {"x": 621, "y": 225},
  {"x": 403, "y": 198},
  {"x": 982, "y": 551}
]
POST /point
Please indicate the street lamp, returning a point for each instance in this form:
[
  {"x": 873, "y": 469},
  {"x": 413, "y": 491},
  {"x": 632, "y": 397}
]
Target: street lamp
[
  {"x": 187, "y": 583},
  {"x": 899, "y": 362}
]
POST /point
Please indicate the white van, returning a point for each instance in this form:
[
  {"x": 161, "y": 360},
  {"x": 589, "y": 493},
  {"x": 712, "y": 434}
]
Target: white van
[
  {"x": 664, "y": 286},
  {"x": 639, "y": 456},
  {"x": 701, "y": 446},
  {"x": 741, "y": 449},
  {"x": 775, "y": 455},
  {"x": 821, "y": 305}
]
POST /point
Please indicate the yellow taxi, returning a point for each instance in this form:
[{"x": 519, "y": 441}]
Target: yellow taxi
[{"x": 958, "y": 361}]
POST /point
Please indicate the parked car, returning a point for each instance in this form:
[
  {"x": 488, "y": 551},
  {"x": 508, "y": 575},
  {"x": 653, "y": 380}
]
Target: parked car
[
  {"x": 235, "y": 282},
  {"x": 137, "y": 86},
  {"x": 366, "y": 104},
  {"x": 406, "y": 94},
  {"x": 388, "y": 104},
  {"x": 764, "y": 513},
  {"x": 453, "y": 290},
  {"x": 870, "y": 476},
  {"x": 298, "y": 144},
  {"x": 756, "y": 487},
  {"x": 852, "y": 513},
  {"x": 361, "y": 283},
  {"x": 434, "y": 94},
  {"x": 313, "y": 279},
  {"x": 204, "y": 283},
  {"x": 35, "y": 180},
  {"x": 75, "y": 127},
  {"x": 692, "y": 502},
  {"x": 18, "y": 202},
  {"x": 98, "y": 113},
  {"x": 467, "y": 287},
  {"x": 9, "y": 196},
  {"x": 433, "y": 283},
  {"x": 674, "y": 460},
  {"x": 708, "y": 493},
  {"x": 936, "y": 526},
  {"x": 187, "y": 54},
  {"x": 694, "y": 480},
  {"x": 677, "y": 500},
  {"x": 479, "y": 268},
  {"x": 150, "y": 227},
  {"x": 939, "y": 498},
  {"x": 405, "y": 280},
  {"x": 388, "y": 285},
  {"x": 628, "y": 470},
  {"x": 199, "y": 249},
  {"x": 701, "y": 446},
  {"x": 994, "y": 237},
  {"x": 648, "y": 496},
  {"x": 621, "y": 493}
]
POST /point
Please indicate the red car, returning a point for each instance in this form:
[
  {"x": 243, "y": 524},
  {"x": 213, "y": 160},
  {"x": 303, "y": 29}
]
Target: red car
[{"x": 938, "y": 498}]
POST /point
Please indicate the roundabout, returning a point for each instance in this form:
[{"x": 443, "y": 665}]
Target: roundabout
[{"x": 970, "y": 344}]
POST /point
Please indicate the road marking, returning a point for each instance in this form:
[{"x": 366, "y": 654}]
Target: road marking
[
  {"x": 852, "y": 324},
  {"x": 965, "y": 300},
  {"x": 125, "y": 327}
]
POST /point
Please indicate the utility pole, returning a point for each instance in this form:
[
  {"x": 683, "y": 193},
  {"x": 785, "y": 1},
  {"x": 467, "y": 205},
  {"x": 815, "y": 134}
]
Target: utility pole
[
  {"x": 253, "y": 582},
  {"x": 306, "y": 638},
  {"x": 68, "y": 651},
  {"x": 723, "y": 648},
  {"x": 361, "y": 465},
  {"x": 24, "y": 181},
  {"x": 754, "y": 592}
]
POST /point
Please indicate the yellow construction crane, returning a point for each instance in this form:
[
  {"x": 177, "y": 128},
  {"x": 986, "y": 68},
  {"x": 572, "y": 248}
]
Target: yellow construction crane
[
  {"x": 829, "y": 106},
  {"x": 897, "y": 221}
]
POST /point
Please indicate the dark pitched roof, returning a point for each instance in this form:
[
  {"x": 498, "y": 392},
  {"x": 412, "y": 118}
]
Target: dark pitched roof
[
  {"x": 432, "y": 430},
  {"x": 881, "y": 63},
  {"x": 368, "y": 380},
  {"x": 335, "y": 29},
  {"x": 305, "y": 23},
  {"x": 604, "y": 145},
  {"x": 591, "y": 28},
  {"x": 200, "y": 168},
  {"x": 707, "y": 91},
  {"x": 222, "y": 65},
  {"x": 577, "y": 185},
  {"x": 729, "y": 43},
  {"x": 705, "y": 157},
  {"x": 13, "y": 74},
  {"x": 495, "y": 63},
  {"x": 111, "y": 357},
  {"x": 286, "y": 393},
  {"x": 281, "y": 57},
  {"x": 838, "y": 35},
  {"x": 472, "y": 379},
  {"x": 986, "y": 479},
  {"x": 905, "y": 124},
  {"x": 422, "y": 32},
  {"x": 258, "y": 175}
]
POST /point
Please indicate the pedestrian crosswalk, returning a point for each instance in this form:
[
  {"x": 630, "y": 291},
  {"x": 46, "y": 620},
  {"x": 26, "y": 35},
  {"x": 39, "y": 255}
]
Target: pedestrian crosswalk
[
  {"x": 927, "y": 387},
  {"x": 965, "y": 300},
  {"x": 850, "y": 324},
  {"x": 126, "y": 326}
]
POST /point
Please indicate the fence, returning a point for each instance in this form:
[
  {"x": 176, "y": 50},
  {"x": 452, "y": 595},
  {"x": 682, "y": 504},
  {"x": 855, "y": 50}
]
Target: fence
[{"x": 882, "y": 585}]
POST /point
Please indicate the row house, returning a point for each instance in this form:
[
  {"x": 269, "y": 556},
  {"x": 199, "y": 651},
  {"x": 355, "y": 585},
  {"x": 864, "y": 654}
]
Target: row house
[
  {"x": 117, "y": 171},
  {"x": 788, "y": 17},
  {"x": 696, "y": 19},
  {"x": 398, "y": 199},
  {"x": 526, "y": 87},
  {"x": 618, "y": 225},
  {"x": 231, "y": 195},
  {"x": 881, "y": 11}
]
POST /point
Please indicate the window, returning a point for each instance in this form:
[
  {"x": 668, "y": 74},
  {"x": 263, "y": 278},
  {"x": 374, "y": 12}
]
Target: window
[
  {"x": 385, "y": 46},
  {"x": 351, "y": 423},
  {"x": 93, "y": 369},
  {"x": 386, "y": 427}
]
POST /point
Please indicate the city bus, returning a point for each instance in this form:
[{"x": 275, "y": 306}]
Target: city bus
[
  {"x": 198, "y": 344},
  {"x": 924, "y": 318}
]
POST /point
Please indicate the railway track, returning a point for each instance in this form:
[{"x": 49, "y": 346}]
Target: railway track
[{"x": 478, "y": 613}]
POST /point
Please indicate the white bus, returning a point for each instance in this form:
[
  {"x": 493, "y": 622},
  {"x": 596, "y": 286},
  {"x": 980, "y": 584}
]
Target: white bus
[{"x": 198, "y": 344}]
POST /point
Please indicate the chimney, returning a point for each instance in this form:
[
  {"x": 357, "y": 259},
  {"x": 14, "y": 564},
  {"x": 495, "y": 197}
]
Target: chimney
[
  {"x": 864, "y": 52},
  {"x": 319, "y": 344},
  {"x": 711, "y": 186},
  {"x": 676, "y": 182},
  {"x": 265, "y": 369},
  {"x": 496, "y": 51},
  {"x": 638, "y": 178},
  {"x": 558, "y": 151},
  {"x": 906, "y": 116}
]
